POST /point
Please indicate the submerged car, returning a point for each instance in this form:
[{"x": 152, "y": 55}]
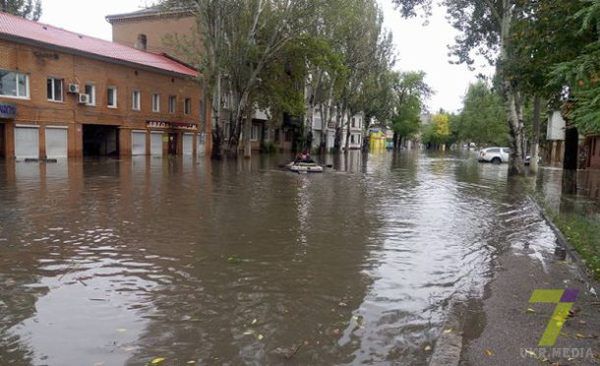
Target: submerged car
[{"x": 494, "y": 155}]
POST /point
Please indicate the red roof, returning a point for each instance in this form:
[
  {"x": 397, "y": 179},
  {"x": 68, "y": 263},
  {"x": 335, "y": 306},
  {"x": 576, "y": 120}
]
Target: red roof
[{"x": 16, "y": 27}]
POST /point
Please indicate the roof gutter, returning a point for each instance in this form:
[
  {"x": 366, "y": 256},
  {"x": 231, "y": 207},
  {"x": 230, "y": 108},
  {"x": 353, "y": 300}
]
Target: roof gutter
[{"x": 121, "y": 17}]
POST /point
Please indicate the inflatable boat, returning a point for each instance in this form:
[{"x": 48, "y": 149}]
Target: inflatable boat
[{"x": 305, "y": 167}]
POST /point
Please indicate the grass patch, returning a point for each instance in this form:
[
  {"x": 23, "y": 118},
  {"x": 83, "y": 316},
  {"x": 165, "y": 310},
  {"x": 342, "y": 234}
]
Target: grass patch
[{"x": 583, "y": 234}]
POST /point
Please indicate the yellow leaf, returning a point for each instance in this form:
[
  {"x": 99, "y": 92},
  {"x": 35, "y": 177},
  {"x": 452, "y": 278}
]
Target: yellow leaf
[
  {"x": 579, "y": 335},
  {"x": 447, "y": 331},
  {"x": 260, "y": 337},
  {"x": 157, "y": 360},
  {"x": 530, "y": 310},
  {"x": 488, "y": 352}
]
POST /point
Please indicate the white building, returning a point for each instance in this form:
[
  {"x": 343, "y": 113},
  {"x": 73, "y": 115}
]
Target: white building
[{"x": 355, "y": 123}]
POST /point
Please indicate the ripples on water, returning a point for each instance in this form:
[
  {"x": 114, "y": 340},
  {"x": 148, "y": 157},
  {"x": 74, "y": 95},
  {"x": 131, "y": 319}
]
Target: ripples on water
[{"x": 242, "y": 263}]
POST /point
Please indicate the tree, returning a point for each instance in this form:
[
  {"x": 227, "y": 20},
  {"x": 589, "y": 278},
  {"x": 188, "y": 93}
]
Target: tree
[
  {"x": 411, "y": 92},
  {"x": 580, "y": 76},
  {"x": 23, "y": 8},
  {"x": 485, "y": 27},
  {"x": 482, "y": 118},
  {"x": 437, "y": 132}
]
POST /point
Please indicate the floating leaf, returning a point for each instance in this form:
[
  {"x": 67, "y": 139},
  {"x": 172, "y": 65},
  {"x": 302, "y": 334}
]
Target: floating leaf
[
  {"x": 530, "y": 310},
  {"x": 446, "y": 331},
  {"x": 428, "y": 348},
  {"x": 579, "y": 335},
  {"x": 488, "y": 352},
  {"x": 260, "y": 337},
  {"x": 121, "y": 330},
  {"x": 191, "y": 362},
  {"x": 531, "y": 353},
  {"x": 254, "y": 321},
  {"x": 157, "y": 360}
]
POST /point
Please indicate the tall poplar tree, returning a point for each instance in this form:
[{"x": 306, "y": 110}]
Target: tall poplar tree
[{"x": 27, "y": 9}]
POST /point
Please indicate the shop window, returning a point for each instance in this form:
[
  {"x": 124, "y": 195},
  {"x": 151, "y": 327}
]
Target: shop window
[
  {"x": 55, "y": 89},
  {"x": 90, "y": 90},
  {"x": 111, "y": 97},
  {"x": 14, "y": 84}
]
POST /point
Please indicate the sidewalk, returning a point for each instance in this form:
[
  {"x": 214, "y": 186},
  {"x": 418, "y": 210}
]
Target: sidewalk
[{"x": 507, "y": 329}]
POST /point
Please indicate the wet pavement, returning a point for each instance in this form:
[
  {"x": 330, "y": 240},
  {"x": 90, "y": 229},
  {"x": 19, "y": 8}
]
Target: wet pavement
[{"x": 114, "y": 262}]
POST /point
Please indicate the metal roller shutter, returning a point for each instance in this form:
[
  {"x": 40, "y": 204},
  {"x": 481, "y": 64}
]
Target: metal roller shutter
[
  {"x": 156, "y": 144},
  {"x": 56, "y": 142},
  {"x": 188, "y": 144},
  {"x": 27, "y": 142},
  {"x": 138, "y": 143}
]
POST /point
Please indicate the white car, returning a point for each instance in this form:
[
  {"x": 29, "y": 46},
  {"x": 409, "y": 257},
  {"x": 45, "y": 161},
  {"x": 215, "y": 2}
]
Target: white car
[{"x": 494, "y": 155}]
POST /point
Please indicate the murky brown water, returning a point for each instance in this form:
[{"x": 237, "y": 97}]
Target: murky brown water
[{"x": 119, "y": 262}]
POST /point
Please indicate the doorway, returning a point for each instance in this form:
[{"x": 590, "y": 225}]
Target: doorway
[
  {"x": 100, "y": 140},
  {"x": 173, "y": 142}
]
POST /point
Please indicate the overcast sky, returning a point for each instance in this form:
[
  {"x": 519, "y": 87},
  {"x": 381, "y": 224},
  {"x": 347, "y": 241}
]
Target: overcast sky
[{"x": 418, "y": 47}]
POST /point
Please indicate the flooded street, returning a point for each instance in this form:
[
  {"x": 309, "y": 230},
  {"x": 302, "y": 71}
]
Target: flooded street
[{"x": 119, "y": 262}]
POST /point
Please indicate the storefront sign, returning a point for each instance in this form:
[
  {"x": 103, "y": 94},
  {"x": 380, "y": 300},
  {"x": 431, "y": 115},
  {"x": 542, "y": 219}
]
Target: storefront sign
[
  {"x": 8, "y": 111},
  {"x": 172, "y": 125}
]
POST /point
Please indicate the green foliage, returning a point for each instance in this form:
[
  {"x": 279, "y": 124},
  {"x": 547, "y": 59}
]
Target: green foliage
[
  {"x": 483, "y": 119},
  {"x": 410, "y": 93},
  {"x": 582, "y": 75},
  {"x": 438, "y": 131},
  {"x": 24, "y": 8}
]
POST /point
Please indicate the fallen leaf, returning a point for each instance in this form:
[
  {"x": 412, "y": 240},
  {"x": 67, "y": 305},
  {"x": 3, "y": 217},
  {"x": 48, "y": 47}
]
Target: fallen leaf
[
  {"x": 447, "y": 331},
  {"x": 157, "y": 360},
  {"x": 579, "y": 335},
  {"x": 121, "y": 330},
  {"x": 254, "y": 321},
  {"x": 530, "y": 310},
  {"x": 427, "y": 348},
  {"x": 249, "y": 331},
  {"x": 531, "y": 353},
  {"x": 260, "y": 337},
  {"x": 191, "y": 362},
  {"x": 488, "y": 352}
]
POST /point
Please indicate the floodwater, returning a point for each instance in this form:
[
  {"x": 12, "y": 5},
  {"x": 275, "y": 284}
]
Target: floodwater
[{"x": 113, "y": 262}]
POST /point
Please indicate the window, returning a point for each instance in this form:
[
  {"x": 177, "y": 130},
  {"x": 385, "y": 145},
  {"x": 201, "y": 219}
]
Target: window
[
  {"x": 55, "y": 89},
  {"x": 136, "y": 100},
  {"x": 156, "y": 103},
  {"x": 142, "y": 42},
  {"x": 188, "y": 106},
  {"x": 255, "y": 133},
  {"x": 172, "y": 104},
  {"x": 111, "y": 97},
  {"x": 14, "y": 84},
  {"x": 90, "y": 90},
  {"x": 353, "y": 122}
]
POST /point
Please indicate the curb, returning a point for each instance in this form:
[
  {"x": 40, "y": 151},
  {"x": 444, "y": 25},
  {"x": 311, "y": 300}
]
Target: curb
[{"x": 448, "y": 347}]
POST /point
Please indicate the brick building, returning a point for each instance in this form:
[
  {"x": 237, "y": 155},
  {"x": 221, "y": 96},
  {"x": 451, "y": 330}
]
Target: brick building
[
  {"x": 157, "y": 29},
  {"x": 66, "y": 94}
]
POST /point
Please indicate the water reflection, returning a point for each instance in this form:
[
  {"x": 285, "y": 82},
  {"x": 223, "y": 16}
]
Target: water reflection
[{"x": 241, "y": 262}]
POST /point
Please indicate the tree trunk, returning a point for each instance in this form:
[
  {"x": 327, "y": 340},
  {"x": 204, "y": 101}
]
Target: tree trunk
[
  {"x": 535, "y": 145},
  {"x": 512, "y": 100},
  {"x": 247, "y": 137},
  {"x": 217, "y": 134}
]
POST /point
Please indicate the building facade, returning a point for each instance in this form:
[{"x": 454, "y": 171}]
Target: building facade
[
  {"x": 64, "y": 94},
  {"x": 158, "y": 30},
  {"x": 326, "y": 131}
]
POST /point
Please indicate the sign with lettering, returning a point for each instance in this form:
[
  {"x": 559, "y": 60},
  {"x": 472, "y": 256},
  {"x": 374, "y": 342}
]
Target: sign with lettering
[
  {"x": 176, "y": 125},
  {"x": 8, "y": 111}
]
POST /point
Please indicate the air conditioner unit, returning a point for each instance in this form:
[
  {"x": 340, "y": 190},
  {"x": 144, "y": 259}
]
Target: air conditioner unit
[
  {"x": 84, "y": 99},
  {"x": 74, "y": 88}
]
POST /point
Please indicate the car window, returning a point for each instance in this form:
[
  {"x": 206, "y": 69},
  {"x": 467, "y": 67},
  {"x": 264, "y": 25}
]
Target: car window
[
  {"x": 506, "y": 151},
  {"x": 492, "y": 151}
]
